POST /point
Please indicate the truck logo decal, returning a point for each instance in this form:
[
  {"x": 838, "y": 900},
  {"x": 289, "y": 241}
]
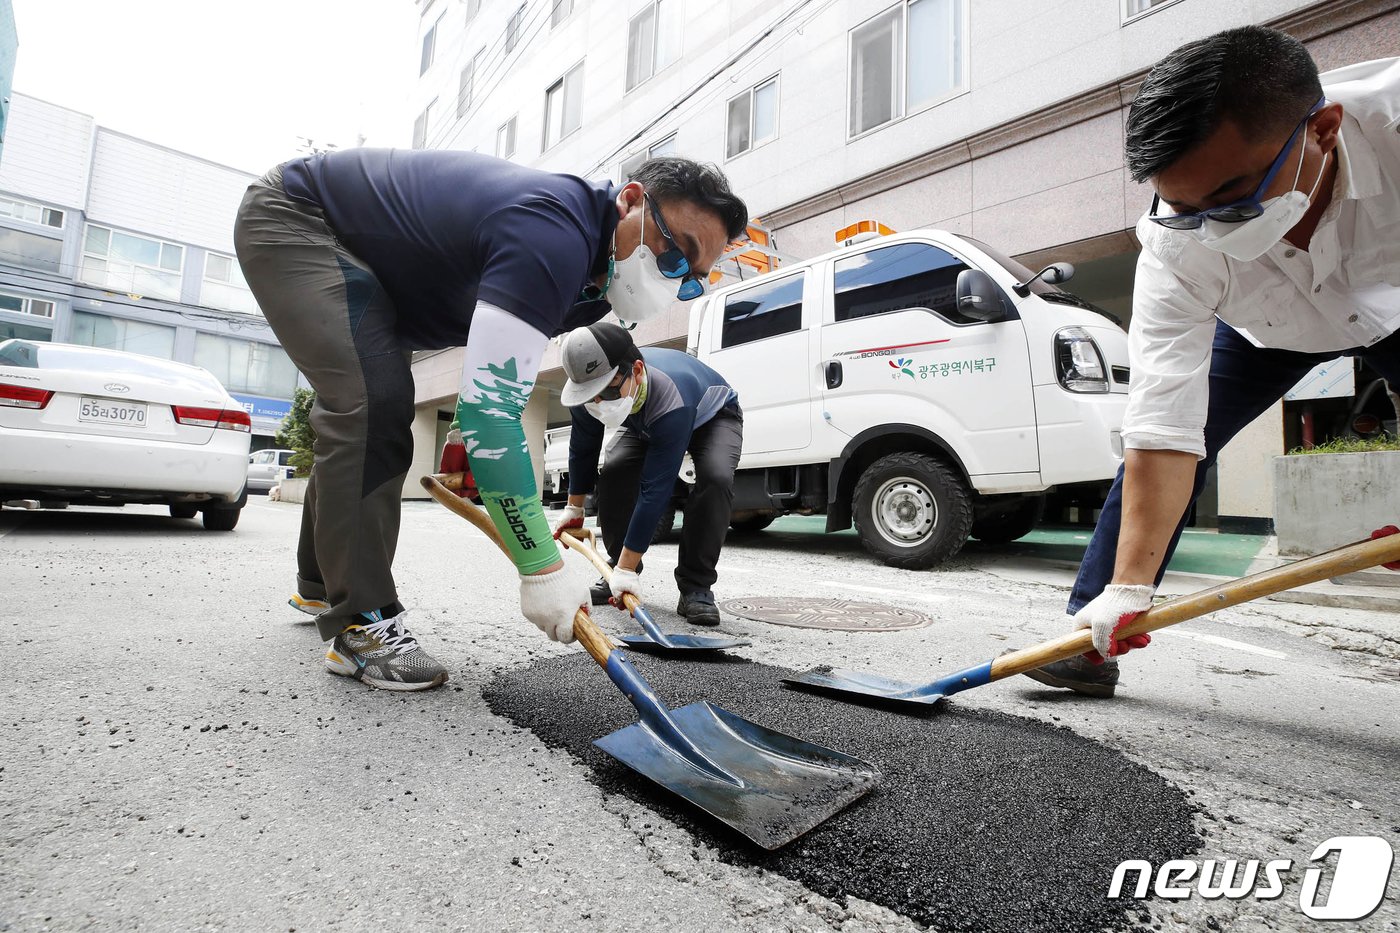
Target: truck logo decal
[
  {"x": 890, "y": 351},
  {"x": 903, "y": 365}
]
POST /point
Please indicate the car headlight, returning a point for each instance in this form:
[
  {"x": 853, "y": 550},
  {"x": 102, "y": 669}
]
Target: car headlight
[{"x": 1078, "y": 362}]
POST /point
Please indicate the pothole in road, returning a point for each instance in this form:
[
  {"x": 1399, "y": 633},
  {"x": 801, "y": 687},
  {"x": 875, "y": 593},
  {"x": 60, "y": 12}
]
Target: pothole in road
[
  {"x": 982, "y": 822},
  {"x": 841, "y": 615}
]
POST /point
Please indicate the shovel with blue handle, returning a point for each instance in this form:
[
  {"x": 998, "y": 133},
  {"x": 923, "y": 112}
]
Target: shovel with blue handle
[
  {"x": 769, "y": 786},
  {"x": 857, "y": 686}
]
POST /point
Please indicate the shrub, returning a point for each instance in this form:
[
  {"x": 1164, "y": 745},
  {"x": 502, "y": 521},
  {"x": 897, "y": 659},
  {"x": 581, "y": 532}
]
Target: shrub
[
  {"x": 297, "y": 434},
  {"x": 1352, "y": 445}
]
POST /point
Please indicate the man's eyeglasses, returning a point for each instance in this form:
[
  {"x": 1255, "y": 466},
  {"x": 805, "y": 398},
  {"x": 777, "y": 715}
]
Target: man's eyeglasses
[
  {"x": 672, "y": 262},
  {"x": 1243, "y": 209},
  {"x": 613, "y": 392}
]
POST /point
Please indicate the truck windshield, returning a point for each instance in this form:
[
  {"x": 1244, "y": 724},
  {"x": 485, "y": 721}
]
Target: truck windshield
[{"x": 1039, "y": 287}]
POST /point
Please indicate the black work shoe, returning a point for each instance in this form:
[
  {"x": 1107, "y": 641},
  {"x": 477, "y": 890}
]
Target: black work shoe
[
  {"x": 1080, "y": 675},
  {"x": 699, "y": 608},
  {"x": 600, "y": 592}
]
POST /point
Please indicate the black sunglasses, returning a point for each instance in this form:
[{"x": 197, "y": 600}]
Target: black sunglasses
[
  {"x": 614, "y": 392},
  {"x": 672, "y": 262}
]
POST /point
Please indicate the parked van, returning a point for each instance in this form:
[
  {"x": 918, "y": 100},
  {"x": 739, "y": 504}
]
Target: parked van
[{"x": 921, "y": 385}]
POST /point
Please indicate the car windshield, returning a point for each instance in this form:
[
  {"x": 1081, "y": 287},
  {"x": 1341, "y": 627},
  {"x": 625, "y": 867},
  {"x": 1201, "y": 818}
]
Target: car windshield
[
  {"x": 1040, "y": 287},
  {"x": 27, "y": 354},
  {"x": 285, "y": 458}
]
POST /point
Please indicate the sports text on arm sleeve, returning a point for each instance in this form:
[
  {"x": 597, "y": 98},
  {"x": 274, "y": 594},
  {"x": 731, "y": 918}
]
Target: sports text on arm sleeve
[{"x": 501, "y": 361}]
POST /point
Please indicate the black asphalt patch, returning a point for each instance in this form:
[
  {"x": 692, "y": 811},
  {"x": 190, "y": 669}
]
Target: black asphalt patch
[{"x": 983, "y": 821}]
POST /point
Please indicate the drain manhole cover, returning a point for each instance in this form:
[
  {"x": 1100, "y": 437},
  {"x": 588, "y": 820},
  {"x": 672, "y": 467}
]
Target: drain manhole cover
[{"x": 845, "y": 615}]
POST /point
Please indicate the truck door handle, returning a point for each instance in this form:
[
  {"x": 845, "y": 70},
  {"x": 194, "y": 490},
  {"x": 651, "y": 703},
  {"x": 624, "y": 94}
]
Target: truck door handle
[{"x": 834, "y": 376}]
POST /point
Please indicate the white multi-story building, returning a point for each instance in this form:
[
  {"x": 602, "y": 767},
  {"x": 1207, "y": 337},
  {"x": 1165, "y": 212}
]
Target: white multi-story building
[
  {"x": 995, "y": 119},
  {"x": 117, "y": 242}
]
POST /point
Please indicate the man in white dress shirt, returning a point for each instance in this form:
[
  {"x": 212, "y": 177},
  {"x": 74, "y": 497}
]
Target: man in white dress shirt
[{"x": 1272, "y": 245}]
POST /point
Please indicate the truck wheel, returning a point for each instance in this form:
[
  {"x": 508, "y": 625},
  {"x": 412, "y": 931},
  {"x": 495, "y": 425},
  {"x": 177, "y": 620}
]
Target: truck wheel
[
  {"x": 751, "y": 525},
  {"x": 912, "y": 511},
  {"x": 1006, "y": 525},
  {"x": 183, "y": 510},
  {"x": 665, "y": 527}
]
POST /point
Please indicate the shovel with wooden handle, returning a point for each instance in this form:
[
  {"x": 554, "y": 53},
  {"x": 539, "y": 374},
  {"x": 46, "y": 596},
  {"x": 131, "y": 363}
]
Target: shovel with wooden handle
[
  {"x": 857, "y": 686},
  {"x": 769, "y": 786},
  {"x": 653, "y": 639}
]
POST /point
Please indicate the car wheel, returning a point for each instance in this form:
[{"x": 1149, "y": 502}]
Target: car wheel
[
  {"x": 225, "y": 519},
  {"x": 912, "y": 510},
  {"x": 1007, "y": 524},
  {"x": 183, "y": 510},
  {"x": 665, "y": 527},
  {"x": 751, "y": 525}
]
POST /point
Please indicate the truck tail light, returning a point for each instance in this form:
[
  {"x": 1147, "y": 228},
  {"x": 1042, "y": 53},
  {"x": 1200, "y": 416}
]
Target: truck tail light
[
  {"x": 230, "y": 419},
  {"x": 24, "y": 396},
  {"x": 1078, "y": 361}
]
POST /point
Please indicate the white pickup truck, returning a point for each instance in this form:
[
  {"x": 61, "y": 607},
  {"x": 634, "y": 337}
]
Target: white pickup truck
[{"x": 920, "y": 384}]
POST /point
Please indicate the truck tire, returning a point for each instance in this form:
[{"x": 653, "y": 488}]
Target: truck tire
[
  {"x": 751, "y": 525},
  {"x": 912, "y": 511},
  {"x": 221, "y": 519},
  {"x": 665, "y": 527},
  {"x": 183, "y": 510},
  {"x": 1006, "y": 525}
]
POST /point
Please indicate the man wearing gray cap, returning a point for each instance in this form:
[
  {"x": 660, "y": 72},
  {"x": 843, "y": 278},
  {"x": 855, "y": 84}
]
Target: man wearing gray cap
[{"x": 663, "y": 403}]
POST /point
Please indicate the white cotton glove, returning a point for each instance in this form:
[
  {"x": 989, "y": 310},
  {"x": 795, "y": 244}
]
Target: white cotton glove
[
  {"x": 573, "y": 518},
  {"x": 625, "y": 581},
  {"x": 454, "y": 436},
  {"x": 550, "y": 600},
  {"x": 1116, "y": 606}
]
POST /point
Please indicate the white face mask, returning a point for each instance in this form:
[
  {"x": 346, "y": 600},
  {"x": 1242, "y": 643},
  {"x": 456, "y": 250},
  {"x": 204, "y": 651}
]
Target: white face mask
[
  {"x": 1250, "y": 239},
  {"x": 638, "y": 291},
  {"x": 612, "y": 413}
]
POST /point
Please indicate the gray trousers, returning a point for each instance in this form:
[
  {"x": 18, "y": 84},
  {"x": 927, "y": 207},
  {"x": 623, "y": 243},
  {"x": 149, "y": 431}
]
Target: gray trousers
[{"x": 337, "y": 324}]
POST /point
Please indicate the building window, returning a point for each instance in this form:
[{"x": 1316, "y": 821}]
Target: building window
[
  {"x": 1135, "y": 8},
  {"x": 420, "y": 126},
  {"x": 246, "y": 366},
  {"x": 224, "y": 286},
  {"x": 666, "y": 146},
  {"x": 466, "y": 86},
  {"x": 763, "y": 311},
  {"x": 34, "y": 213},
  {"x": 563, "y": 106},
  {"x": 429, "y": 48},
  {"x": 136, "y": 265},
  {"x": 560, "y": 12},
  {"x": 906, "y": 58},
  {"x": 753, "y": 118},
  {"x": 514, "y": 25},
  {"x": 20, "y": 304},
  {"x": 505, "y": 139},
  {"x": 9, "y": 330},
  {"x": 31, "y": 250},
  {"x": 115, "y": 333},
  {"x": 905, "y": 277},
  {"x": 653, "y": 40}
]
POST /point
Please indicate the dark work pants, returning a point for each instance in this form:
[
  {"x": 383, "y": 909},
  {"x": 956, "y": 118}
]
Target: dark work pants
[
  {"x": 714, "y": 447},
  {"x": 337, "y": 324},
  {"x": 1244, "y": 381}
]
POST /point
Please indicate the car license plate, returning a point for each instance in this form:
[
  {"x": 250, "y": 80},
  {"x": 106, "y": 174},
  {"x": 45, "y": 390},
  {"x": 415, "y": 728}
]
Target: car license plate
[{"x": 110, "y": 411}]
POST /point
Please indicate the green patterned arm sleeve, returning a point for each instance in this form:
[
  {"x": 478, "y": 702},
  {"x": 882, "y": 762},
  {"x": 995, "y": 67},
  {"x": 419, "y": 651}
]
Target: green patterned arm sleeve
[{"x": 502, "y": 361}]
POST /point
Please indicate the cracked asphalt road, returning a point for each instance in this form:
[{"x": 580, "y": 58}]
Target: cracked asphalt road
[{"x": 173, "y": 757}]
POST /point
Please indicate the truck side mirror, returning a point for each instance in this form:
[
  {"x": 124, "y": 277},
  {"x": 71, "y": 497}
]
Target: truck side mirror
[{"x": 978, "y": 296}]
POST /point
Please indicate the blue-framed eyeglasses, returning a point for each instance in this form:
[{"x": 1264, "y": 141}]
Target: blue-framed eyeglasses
[
  {"x": 672, "y": 262},
  {"x": 1243, "y": 209}
]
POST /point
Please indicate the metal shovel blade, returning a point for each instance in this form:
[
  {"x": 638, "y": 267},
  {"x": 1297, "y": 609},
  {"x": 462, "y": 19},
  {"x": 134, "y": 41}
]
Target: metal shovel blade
[
  {"x": 856, "y": 685},
  {"x": 671, "y": 641},
  {"x": 769, "y": 786}
]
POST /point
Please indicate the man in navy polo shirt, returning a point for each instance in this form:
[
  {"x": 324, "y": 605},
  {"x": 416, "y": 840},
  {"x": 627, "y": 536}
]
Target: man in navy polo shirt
[
  {"x": 664, "y": 402},
  {"x": 361, "y": 256}
]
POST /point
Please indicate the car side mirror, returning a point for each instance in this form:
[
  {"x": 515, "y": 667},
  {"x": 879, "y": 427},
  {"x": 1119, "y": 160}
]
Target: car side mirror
[{"x": 979, "y": 297}]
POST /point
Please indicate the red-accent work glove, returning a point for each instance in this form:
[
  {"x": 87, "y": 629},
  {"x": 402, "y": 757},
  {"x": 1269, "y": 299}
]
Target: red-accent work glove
[
  {"x": 1108, "y": 612},
  {"x": 1386, "y": 532}
]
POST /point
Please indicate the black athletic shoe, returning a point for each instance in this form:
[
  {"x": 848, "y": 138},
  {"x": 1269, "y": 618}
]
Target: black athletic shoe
[
  {"x": 600, "y": 592},
  {"x": 1080, "y": 675},
  {"x": 699, "y": 608}
]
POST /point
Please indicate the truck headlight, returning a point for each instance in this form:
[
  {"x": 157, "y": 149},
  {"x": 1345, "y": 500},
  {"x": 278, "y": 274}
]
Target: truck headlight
[{"x": 1078, "y": 362}]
